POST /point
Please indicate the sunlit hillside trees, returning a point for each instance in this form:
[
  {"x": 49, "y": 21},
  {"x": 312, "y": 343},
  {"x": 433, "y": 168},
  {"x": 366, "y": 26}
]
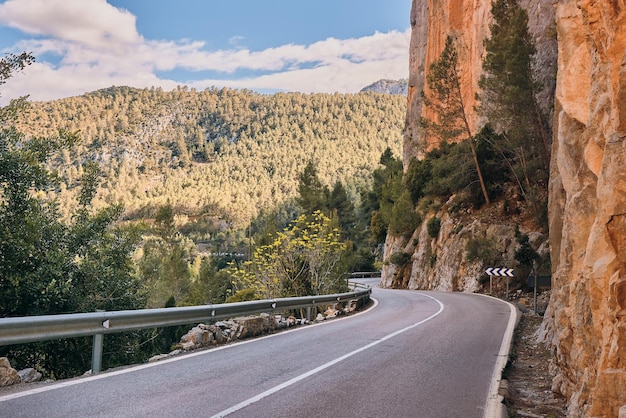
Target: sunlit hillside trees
[{"x": 229, "y": 153}]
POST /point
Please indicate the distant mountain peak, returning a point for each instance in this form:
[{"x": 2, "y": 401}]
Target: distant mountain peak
[{"x": 388, "y": 87}]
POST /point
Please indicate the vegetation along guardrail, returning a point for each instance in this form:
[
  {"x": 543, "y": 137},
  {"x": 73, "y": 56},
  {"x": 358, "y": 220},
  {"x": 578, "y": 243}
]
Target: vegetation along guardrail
[{"x": 28, "y": 329}]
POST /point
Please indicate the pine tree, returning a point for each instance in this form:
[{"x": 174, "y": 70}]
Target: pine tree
[
  {"x": 508, "y": 89},
  {"x": 341, "y": 204},
  {"x": 445, "y": 98},
  {"x": 313, "y": 195}
]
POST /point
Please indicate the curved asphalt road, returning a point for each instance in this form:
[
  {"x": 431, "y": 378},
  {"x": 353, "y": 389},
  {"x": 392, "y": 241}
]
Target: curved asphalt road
[{"x": 415, "y": 354}]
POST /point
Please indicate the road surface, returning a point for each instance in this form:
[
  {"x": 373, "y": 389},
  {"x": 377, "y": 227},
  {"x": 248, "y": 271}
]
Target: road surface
[{"x": 415, "y": 354}]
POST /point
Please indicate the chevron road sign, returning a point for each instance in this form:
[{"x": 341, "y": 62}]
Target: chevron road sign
[{"x": 496, "y": 271}]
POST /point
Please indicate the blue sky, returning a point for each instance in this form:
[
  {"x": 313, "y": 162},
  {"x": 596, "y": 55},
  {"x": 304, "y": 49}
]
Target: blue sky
[{"x": 264, "y": 45}]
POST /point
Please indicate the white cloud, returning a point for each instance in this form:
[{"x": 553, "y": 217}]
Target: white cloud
[
  {"x": 99, "y": 46},
  {"x": 93, "y": 23}
]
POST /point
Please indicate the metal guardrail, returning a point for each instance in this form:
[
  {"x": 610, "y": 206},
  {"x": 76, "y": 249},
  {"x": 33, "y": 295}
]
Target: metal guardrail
[
  {"x": 28, "y": 329},
  {"x": 365, "y": 275}
]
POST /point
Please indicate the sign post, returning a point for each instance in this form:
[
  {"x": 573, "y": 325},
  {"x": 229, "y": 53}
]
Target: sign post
[
  {"x": 500, "y": 272},
  {"x": 536, "y": 282}
]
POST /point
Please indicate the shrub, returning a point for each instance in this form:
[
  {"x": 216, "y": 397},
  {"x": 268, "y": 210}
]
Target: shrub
[
  {"x": 433, "y": 227},
  {"x": 404, "y": 219},
  {"x": 432, "y": 260},
  {"x": 481, "y": 249},
  {"x": 243, "y": 295},
  {"x": 400, "y": 259}
]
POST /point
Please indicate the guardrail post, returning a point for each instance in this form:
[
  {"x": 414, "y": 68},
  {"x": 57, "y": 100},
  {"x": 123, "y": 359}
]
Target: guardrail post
[
  {"x": 96, "y": 354},
  {"x": 535, "y": 297},
  {"x": 96, "y": 351},
  {"x": 308, "y": 314}
]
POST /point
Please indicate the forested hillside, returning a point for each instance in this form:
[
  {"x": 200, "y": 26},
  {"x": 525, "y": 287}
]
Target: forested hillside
[
  {"x": 227, "y": 153},
  {"x": 242, "y": 196}
]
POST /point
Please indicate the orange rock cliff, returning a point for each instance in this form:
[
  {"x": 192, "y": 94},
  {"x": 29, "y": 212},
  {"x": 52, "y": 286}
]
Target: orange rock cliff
[{"x": 581, "y": 62}]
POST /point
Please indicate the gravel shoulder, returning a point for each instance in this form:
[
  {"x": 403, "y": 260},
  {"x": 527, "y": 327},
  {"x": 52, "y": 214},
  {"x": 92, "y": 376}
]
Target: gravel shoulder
[{"x": 528, "y": 374}]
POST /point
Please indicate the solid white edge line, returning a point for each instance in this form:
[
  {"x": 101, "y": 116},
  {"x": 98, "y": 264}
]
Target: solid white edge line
[
  {"x": 130, "y": 369},
  {"x": 494, "y": 408},
  {"x": 303, "y": 376}
]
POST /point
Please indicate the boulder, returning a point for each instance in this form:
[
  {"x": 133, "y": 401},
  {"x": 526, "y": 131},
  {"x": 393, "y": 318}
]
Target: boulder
[
  {"x": 8, "y": 375},
  {"x": 198, "y": 336},
  {"x": 29, "y": 375},
  {"x": 157, "y": 357}
]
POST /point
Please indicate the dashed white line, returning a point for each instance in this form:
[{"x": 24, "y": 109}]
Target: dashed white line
[{"x": 303, "y": 376}]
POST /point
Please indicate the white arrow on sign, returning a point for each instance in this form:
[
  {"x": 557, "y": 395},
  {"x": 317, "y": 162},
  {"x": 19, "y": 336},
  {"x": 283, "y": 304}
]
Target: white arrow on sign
[{"x": 499, "y": 271}]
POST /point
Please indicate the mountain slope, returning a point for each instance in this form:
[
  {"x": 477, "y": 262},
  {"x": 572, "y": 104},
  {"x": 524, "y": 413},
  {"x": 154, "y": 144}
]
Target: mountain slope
[
  {"x": 388, "y": 87},
  {"x": 224, "y": 152}
]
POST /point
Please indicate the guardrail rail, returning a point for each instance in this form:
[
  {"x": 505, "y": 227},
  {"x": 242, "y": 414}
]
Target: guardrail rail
[{"x": 21, "y": 330}]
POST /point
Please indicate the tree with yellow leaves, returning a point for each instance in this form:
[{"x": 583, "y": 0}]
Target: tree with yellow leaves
[{"x": 303, "y": 259}]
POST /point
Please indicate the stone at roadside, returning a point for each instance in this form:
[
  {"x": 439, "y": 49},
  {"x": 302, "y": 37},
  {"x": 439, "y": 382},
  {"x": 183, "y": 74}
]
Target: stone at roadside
[
  {"x": 29, "y": 375},
  {"x": 198, "y": 336},
  {"x": 351, "y": 306},
  {"x": 8, "y": 375},
  {"x": 331, "y": 312},
  {"x": 157, "y": 357},
  {"x": 319, "y": 317}
]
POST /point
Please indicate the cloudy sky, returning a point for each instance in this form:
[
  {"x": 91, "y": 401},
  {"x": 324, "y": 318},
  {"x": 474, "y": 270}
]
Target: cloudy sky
[{"x": 264, "y": 45}]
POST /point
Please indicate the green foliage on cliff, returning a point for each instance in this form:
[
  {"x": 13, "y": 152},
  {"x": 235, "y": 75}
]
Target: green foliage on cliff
[
  {"x": 508, "y": 99},
  {"x": 445, "y": 98}
]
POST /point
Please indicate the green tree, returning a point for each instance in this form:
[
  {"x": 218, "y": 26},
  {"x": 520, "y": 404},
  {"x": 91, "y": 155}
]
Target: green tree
[
  {"x": 313, "y": 195},
  {"x": 445, "y": 99},
  {"x": 386, "y": 190},
  {"x": 340, "y": 203},
  {"x": 51, "y": 265},
  {"x": 508, "y": 93},
  {"x": 304, "y": 259},
  {"x": 404, "y": 219}
]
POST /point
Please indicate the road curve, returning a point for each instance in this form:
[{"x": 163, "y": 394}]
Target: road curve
[{"x": 415, "y": 354}]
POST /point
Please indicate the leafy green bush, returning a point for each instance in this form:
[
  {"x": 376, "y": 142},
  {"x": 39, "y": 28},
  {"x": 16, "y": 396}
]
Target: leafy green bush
[
  {"x": 433, "y": 226},
  {"x": 243, "y": 295},
  {"x": 400, "y": 259},
  {"x": 525, "y": 254},
  {"x": 481, "y": 249},
  {"x": 404, "y": 219}
]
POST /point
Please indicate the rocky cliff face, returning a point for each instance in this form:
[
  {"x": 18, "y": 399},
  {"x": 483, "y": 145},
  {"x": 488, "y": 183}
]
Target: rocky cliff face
[
  {"x": 467, "y": 21},
  {"x": 587, "y": 314},
  {"x": 441, "y": 263},
  {"x": 586, "y": 320}
]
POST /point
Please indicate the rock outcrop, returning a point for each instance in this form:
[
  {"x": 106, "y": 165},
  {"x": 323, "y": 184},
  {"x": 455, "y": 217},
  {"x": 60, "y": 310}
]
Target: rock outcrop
[
  {"x": 442, "y": 262},
  {"x": 587, "y": 313}
]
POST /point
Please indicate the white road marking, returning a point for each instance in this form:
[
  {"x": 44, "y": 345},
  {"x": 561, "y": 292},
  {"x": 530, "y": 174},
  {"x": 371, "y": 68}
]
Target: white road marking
[
  {"x": 494, "y": 407},
  {"x": 297, "y": 379},
  {"x": 80, "y": 380}
]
